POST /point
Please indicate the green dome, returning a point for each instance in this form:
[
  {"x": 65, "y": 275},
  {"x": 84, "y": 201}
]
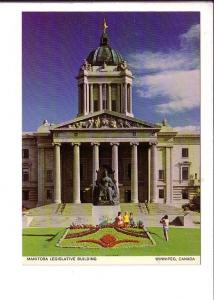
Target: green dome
[{"x": 104, "y": 54}]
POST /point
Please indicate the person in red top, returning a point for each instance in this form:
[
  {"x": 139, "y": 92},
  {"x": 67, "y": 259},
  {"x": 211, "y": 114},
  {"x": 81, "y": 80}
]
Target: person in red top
[
  {"x": 165, "y": 222},
  {"x": 119, "y": 220}
]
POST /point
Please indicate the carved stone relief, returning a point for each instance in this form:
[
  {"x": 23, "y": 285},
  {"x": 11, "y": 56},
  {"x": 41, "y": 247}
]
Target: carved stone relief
[{"x": 105, "y": 121}]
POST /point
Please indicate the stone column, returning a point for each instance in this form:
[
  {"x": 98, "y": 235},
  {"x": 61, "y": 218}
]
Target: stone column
[
  {"x": 79, "y": 99},
  {"x": 109, "y": 97},
  {"x": 87, "y": 99},
  {"x": 134, "y": 173},
  {"x": 118, "y": 108},
  {"x": 91, "y": 99},
  {"x": 153, "y": 172},
  {"x": 95, "y": 162},
  {"x": 101, "y": 97},
  {"x": 41, "y": 176},
  {"x": 76, "y": 173},
  {"x": 125, "y": 98},
  {"x": 57, "y": 185},
  {"x": 168, "y": 175},
  {"x": 115, "y": 162},
  {"x": 130, "y": 99},
  {"x": 149, "y": 174},
  {"x": 84, "y": 99}
]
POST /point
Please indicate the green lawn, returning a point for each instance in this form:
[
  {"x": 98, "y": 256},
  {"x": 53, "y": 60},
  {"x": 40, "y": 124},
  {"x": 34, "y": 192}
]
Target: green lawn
[{"x": 183, "y": 242}]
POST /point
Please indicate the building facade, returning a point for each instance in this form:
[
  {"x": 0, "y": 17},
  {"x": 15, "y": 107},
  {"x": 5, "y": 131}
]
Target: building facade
[{"x": 151, "y": 162}]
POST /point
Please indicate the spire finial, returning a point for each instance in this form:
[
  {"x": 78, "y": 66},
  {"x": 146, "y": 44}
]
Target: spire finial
[{"x": 105, "y": 26}]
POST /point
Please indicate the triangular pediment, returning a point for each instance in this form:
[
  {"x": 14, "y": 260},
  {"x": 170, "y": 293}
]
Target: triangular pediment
[{"x": 105, "y": 119}]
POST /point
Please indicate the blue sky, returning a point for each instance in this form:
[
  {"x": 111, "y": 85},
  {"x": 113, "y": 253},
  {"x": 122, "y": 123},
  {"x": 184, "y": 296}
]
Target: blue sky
[{"x": 162, "y": 50}]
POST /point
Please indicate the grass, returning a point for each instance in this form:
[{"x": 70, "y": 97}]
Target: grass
[{"x": 183, "y": 242}]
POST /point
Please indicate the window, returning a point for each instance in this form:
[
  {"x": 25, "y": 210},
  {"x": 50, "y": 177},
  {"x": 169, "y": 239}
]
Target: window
[
  {"x": 196, "y": 176},
  {"x": 161, "y": 174},
  {"x": 113, "y": 105},
  {"x": 96, "y": 96},
  {"x": 185, "y": 173},
  {"x": 185, "y": 194},
  {"x": 49, "y": 175},
  {"x": 49, "y": 195},
  {"x": 25, "y": 153},
  {"x": 81, "y": 97},
  {"x": 161, "y": 193},
  {"x": 104, "y": 96},
  {"x": 185, "y": 152},
  {"x": 114, "y": 96},
  {"x": 25, "y": 195},
  {"x": 25, "y": 174}
]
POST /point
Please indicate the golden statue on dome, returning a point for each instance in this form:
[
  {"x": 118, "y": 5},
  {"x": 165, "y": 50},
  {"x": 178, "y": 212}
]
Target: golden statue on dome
[{"x": 105, "y": 26}]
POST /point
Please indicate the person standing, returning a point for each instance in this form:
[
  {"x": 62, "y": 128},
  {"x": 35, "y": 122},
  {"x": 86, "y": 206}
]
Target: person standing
[{"x": 165, "y": 222}]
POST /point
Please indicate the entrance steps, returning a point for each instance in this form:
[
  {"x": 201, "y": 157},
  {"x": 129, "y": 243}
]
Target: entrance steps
[{"x": 64, "y": 214}]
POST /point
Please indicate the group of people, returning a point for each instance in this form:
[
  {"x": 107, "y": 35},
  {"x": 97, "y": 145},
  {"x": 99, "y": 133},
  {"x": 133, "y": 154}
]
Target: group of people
[{"x": 127, "y": 220}]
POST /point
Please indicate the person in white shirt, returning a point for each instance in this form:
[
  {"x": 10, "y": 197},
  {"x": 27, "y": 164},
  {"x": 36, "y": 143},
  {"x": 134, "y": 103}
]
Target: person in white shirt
[{"x": 165, "y": 222}]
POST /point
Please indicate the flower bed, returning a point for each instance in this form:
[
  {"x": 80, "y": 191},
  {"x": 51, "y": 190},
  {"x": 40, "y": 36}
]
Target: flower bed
[
  {"x": 104, "y": 236},
  {"x": 108, "y": 241},
  {"x": 82, "y": 233}
]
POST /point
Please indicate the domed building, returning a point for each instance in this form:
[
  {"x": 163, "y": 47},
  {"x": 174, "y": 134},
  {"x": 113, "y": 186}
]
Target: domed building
[{"x": 148, "y": 162}]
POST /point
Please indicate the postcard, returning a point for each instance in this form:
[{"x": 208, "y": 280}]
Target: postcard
[{"x": 111, "y": 137}]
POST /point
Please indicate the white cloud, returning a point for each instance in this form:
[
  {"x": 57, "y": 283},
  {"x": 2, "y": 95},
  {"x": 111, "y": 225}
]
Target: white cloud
[
  {"x": 174, "y": 75},
  {"x": 159, "y": 61},
  {"x": 189, "y": 128},
  {"x": 191, "y": 38},
  {"x": 180, "y": 87}
]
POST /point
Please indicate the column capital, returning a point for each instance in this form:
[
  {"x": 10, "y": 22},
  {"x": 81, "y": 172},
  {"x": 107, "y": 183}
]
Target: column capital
[
  {"x": 134, "y": 143},
  {"x": 95, "y": 143},
  {"x": 75, "y": 144},
  {"x": 56, "y": 144},
  {"x": 116, "y": 144},
  {"x": 153, "y": 143}
]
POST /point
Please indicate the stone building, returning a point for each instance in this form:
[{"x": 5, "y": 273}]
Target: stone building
[{"x": 151, "y": 162}]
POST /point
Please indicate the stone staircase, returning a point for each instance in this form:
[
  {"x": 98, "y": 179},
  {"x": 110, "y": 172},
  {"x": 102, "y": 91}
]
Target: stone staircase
[
  {"x": 64, "y": 214},
  {"x": 165, "y": 209}
]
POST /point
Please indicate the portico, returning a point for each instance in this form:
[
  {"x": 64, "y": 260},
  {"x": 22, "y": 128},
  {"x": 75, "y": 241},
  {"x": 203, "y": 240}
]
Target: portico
[{"x": 116, "y": 143}]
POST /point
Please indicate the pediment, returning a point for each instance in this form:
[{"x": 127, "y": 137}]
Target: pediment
[{"x": 105, "y": 120}]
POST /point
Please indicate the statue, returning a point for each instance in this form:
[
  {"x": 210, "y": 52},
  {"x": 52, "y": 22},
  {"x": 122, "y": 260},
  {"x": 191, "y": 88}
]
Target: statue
[
  {"x": 113, "y": 123},
  {"x": 85, "y": 66},
  {"x": 104, "y": 122},
  {"x": 90, "y": 123},
  {"x": 105, "y": 191},
  {"x": 97, "y": 123},
  {"x": 120, "y": 123}
]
